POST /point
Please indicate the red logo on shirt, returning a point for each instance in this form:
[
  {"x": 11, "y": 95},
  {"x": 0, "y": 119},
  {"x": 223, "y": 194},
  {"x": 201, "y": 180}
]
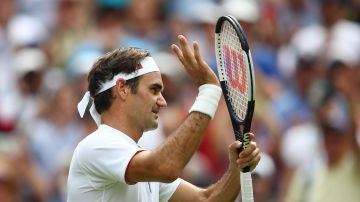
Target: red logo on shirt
[{"x": 139, "y": 66}]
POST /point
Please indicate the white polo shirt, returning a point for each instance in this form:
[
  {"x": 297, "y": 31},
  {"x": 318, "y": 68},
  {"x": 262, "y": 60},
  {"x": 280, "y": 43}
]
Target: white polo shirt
[{"x": 97, "y": 171}]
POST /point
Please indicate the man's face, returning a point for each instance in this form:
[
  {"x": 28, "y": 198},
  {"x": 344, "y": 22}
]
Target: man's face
[{"x": 146, "y": 102}]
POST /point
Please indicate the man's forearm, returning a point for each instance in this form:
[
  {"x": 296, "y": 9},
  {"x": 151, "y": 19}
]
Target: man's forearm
[
  {"x": 180, "y": 146},
  {"x": 227, "y": 188}
]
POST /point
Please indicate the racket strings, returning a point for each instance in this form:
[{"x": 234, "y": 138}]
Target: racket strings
[{"x": 235, "y": 61}]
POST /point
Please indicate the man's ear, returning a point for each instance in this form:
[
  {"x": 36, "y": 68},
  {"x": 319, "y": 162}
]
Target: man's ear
[{"x": 121, "y": 89}]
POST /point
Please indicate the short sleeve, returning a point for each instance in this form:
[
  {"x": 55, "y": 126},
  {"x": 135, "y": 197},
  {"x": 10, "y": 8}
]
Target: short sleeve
[
  {"x": 106, "y": 159},
  {"x": 168, "y": 189}
]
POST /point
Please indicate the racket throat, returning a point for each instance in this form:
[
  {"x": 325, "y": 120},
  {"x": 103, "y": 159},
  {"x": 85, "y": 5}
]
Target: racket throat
[
  {"x": 238, "y": 132},
  {"x": 238, "y": 129}
]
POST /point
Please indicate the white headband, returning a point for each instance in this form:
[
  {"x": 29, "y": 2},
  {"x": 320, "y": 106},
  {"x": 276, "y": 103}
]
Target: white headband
[{"x": 147, "y": 65}]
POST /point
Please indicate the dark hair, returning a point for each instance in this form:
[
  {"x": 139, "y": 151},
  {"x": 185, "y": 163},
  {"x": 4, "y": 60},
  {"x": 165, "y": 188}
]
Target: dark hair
[{"x": 124, "y": 60}]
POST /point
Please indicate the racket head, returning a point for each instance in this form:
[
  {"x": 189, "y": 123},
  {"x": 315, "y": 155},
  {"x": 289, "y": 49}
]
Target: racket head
[{"x": 235, "y": 70}]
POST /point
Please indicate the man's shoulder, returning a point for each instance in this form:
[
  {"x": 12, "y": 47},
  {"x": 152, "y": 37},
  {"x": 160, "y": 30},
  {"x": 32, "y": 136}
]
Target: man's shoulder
[{"x": 102, "y": 138}]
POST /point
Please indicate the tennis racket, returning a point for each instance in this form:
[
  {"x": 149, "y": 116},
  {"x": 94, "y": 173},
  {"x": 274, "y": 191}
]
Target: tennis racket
[{"x": 236, "y": 75}]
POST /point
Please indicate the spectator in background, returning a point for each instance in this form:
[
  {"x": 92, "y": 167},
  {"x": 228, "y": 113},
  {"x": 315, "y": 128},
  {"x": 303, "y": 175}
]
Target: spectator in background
[
  {"x": 143, "y": 25},
  {"x": 13, "y": 39},
  {"x": 78, "y": 65},
  {"x": 295, "y": 159},
  {"x": 43, "y": 10},
  {"x": 246, "y": 12},
  {"x": 18, "y": 172},
  {"x": 9, "y": 182},
  {"x": 337, "y": 176},
  {"x": 29, "y": 65},
  {"x": 107, "y": 31},
  {"x": 341, "y": 172},
  {"x": 294, "y": 15},
  {"x": 264, "y": 177},
  {"x": 334, "y": 38},
  {"x": 339, "y": 80},
  {"x": 53, "y": 137},
  {"x": 72, "y": 25},
  {"x": 76, "y": 71},
  {"x": 22, "y": 63},
  {"x": 312, "y": 48},
  {"x": 354, "y": 10},
  {"x": 344, "y": 76}
]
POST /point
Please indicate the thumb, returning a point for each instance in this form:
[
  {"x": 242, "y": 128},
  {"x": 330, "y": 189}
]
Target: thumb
[{"x": 233, "y": 150}]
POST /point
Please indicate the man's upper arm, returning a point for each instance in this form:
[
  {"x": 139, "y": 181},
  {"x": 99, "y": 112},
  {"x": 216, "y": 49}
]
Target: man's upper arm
[{"x": 145, "y": 166}]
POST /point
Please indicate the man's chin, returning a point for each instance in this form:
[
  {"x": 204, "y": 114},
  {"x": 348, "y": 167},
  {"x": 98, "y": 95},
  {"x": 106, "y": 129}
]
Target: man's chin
[{"x": 152, "y": 127}]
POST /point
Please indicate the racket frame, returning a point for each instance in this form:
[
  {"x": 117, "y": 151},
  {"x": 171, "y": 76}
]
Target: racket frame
[{"x": 241, "y": 127}]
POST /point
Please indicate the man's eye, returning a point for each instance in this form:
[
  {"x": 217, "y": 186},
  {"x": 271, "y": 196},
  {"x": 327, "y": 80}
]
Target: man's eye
[{"x": 154, "y": 90}]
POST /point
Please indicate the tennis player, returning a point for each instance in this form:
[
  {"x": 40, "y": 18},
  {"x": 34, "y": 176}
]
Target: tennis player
[{"x": 125, "y": 94}]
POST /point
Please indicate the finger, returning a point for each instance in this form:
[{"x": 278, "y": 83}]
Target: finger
[
  {"x": 178, "y": 52},
  {"x": 251, "y": 147},
  {"x": 252, "y": 136},
  {"x": 182, "y": 51},
  {"x": 255, "y": 162},
  {"x": 197, "y": 51},
  {"x": 184, "y": 44},
  {"x": 197, "y": 54},
  {"x": 251, "y": 160},
  {"x": 255, "y": 154},
  {"x": 235, "y": 146},
  {"x": 233, "y": 151},
  {"x": 185, "y": 48},
  {"x": 250, "y": 157}
]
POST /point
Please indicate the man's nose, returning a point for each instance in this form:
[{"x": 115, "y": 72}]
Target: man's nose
[{"x": 161, "y": 101}]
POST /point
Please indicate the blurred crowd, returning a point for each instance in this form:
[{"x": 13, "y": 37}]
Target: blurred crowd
[{"x": 307, "y": 116}]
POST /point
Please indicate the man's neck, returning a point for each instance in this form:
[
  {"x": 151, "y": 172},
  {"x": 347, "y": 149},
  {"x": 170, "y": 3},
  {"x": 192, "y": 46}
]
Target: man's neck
[{"x": 122, "y": 124}]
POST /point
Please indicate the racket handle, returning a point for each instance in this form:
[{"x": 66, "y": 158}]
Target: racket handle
[
  {"x": 246, "y": 169},
  {"x": 246, "y": 187}
]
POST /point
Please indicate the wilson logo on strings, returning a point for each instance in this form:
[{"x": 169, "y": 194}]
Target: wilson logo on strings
[{"x": 235, "y": 66}]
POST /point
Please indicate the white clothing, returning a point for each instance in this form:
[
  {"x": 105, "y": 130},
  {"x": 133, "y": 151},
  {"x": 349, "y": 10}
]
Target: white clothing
[{"x": 98, "y": 166}]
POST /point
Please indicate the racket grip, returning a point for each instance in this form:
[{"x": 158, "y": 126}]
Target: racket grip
[
  {"x": 246, "y": 141},
  {"x": 246, "y": 187}
]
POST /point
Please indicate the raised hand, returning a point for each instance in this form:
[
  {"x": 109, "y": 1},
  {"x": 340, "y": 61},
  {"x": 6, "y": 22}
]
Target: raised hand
[{"x": 193, "y": 62}]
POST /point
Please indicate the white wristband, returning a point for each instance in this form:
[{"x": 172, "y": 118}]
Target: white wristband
[{"x": 207, "y": 100}]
